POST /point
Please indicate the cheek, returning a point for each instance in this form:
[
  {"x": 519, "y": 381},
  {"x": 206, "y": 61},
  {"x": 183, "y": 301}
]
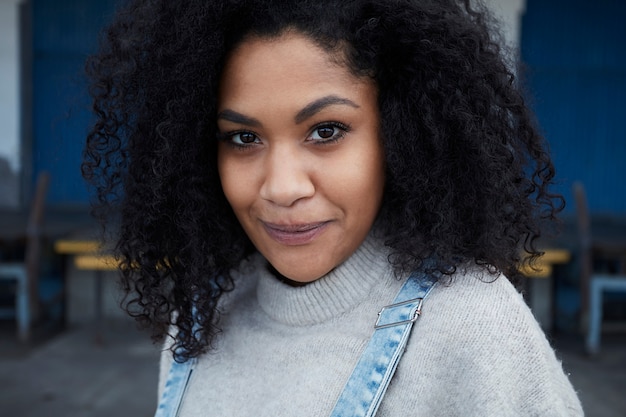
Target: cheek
[
  {"x": 361, "y": 182},
  {"x": 232, "y": 184}
]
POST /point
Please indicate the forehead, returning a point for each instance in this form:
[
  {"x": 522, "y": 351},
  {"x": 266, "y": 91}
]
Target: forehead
[{"x": 290, "y": 65}]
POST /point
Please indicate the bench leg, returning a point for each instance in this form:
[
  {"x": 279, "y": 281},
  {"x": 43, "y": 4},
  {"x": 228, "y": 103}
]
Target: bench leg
[
  {"x": 595, "y": 316},
  {"x": 22, "y": 308}
]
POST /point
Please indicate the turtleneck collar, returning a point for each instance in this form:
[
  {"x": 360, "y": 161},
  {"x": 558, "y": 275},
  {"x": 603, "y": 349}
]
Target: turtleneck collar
[{"x": 335, "y": 293}]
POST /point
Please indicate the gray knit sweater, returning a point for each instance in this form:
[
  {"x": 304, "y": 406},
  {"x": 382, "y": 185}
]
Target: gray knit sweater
[{"x": 286, "y": 351}]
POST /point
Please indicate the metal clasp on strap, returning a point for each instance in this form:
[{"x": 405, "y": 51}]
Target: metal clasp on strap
[{"x": 410, "y": 319}]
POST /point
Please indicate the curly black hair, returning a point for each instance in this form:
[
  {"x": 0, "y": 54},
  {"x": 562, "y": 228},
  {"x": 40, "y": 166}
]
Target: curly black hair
[{"x": 467, "y": 171}]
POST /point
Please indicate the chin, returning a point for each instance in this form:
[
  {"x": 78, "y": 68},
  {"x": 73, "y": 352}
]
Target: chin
[
  {"x": 302, "y": 277},
  {"x": 299, "y": 274}
]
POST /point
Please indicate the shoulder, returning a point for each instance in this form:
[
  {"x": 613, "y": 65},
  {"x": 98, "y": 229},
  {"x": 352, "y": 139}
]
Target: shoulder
[
  {"x": 473, "y": 295},
  {"x": 478, "y": 313},
  {"x": 480, "y": 351},
  {"x": 485, "y": 315},
  {"x": 244, "y": 280}
]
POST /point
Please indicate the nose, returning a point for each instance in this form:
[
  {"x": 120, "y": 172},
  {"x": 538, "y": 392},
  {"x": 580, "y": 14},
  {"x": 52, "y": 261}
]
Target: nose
[{"x": 287, "y": 177}]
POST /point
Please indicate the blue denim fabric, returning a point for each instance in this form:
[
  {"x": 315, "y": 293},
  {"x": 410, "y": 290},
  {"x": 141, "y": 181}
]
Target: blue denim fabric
[
  {"x": 175, "y": 387},
  {"x": 368, "y": 383},
  {"x": 177, "y": 380}
]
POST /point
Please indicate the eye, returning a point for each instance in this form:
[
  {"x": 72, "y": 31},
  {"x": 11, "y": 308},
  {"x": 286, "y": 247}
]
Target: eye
[
  {"x": 241, "y": 139},
  {"x": 325, "y": 132},
  {"x": 328, "y": 132}
]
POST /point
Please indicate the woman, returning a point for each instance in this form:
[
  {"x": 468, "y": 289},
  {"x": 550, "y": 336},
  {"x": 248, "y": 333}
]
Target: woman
[{"x": 281, "y": 168}]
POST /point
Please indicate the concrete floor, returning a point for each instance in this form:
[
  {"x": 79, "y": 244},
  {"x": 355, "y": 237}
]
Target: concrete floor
[
  {"x": 72, "y": 376},
  {"x": 69, "y": 375}
]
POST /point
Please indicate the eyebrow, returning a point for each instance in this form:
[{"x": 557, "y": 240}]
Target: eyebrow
[
  {"x": 233, "y": 116},
  {"x": 312, "y": 108},
  {"x": 308, "y": 111}
]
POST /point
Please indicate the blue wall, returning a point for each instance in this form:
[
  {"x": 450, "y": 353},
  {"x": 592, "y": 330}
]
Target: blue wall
[
  {"x": 575, "y": 51},
  {"x": 64, "y": 33}
]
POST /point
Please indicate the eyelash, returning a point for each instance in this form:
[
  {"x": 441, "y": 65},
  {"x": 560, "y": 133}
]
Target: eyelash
[{"x": 336, "y": 137}]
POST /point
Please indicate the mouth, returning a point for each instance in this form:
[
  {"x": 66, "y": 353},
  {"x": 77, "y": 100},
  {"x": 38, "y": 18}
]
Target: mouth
[{"x": 295, "y": 234}]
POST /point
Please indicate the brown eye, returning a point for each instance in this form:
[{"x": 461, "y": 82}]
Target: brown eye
[
  {"x": 241, "y": 139},
  {"x": 325, "y": 132},
  {"x": 328, "y": 132},
  {"x": 247, "y": 137}
]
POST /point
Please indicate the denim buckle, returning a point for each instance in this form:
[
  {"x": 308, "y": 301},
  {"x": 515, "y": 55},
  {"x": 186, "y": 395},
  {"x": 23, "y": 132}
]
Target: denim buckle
[{"x": 399, "y": 313}]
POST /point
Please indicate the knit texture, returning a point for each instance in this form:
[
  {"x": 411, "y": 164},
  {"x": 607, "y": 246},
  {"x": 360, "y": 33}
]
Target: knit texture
[{"x": 288, "y": 351}]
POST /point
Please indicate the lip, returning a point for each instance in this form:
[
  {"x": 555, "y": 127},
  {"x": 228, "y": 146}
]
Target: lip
[{"x": 295, "y": 234}]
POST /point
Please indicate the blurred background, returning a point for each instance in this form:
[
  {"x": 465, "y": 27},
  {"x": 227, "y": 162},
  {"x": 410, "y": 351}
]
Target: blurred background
[{"x": 66, "y": 349}]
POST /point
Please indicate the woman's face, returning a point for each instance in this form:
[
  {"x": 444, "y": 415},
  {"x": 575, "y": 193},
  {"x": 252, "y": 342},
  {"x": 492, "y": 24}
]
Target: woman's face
[{"x": 300, "y": 157}]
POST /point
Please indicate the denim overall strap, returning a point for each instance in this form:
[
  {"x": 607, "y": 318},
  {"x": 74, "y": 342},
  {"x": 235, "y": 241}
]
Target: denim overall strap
[
  {"x": 175, "y": 386},
  {"x": 366, "y": 387},
  {"x": 177, "y": 380}
]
